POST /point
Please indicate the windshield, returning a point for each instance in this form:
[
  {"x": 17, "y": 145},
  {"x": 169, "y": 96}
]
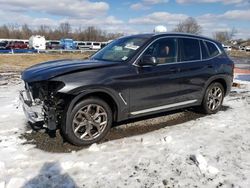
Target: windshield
[{"x": 120, "y": 50}]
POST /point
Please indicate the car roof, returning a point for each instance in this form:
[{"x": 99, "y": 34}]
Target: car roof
[
  {"x": 184, "y": 35},
  {"x": 165, "y": 34}
]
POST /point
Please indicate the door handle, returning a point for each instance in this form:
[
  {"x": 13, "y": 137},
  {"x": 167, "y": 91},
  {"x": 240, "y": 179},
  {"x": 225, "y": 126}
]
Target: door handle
[
  {"x": 209, "y": 66},
  {"x": 174, "y": 69}
]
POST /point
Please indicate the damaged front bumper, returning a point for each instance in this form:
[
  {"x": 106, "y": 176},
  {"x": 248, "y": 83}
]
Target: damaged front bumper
[{"x": 32, "y": 110}]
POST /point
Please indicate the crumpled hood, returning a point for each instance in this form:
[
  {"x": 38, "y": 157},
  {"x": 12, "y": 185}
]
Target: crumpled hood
[{"x": 51, "y": 69}]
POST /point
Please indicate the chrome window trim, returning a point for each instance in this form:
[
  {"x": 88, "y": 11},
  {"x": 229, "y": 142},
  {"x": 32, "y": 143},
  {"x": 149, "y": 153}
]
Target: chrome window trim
[
  {"x": 163, "y": 107},
  {"x": 200, "y": 50},
  {"x": 200, "y": 39},
  {"x": 220, "y": 52}
]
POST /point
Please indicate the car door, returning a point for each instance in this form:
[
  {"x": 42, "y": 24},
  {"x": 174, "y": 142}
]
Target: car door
[
  {"x": 176, "y": 80},
  {"x": 193, "y": 71},
  {"x": 155, "y": 86}
]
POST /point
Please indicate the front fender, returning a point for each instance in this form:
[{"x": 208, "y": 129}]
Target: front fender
[{"x": 122, "y": 106}]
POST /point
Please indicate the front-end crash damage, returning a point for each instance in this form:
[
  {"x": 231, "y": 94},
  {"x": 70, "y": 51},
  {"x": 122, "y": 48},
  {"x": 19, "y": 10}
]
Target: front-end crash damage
[{"x": 43, "y": 103}]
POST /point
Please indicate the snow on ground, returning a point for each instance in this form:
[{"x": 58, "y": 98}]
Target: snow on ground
[{"x": 211, "y": 151}]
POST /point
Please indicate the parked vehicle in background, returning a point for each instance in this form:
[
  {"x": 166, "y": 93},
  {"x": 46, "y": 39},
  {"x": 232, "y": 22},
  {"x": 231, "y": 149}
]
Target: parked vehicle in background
[
  {"x": 132, "y": 77},
  {"x": 93, "y": 45},
  {"x": 16, "y": 45},
  {"x": 96, "y": 46},
  {"x": 37, "y": 42},
  {"x": 67, "y": 44},
  {"x": 227, "y": 48},
  {"x": 247, "y": 48},
  {"x": 103, "y": 44},
  {"x": 53, "y": 45},
  {"x": 80, "y": 45},
  {"x": 27, "y": 43},
  {"x": 242, "y": 48},
  {"x": 3, "y": 45}
]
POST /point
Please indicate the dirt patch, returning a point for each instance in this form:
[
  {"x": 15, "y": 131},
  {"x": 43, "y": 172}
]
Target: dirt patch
[
  {"x": 55, "y": 143},
  {"x": 9, "y": 78}
]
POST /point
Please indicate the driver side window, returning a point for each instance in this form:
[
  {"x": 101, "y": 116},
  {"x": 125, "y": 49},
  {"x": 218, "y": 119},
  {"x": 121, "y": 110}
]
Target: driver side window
[{"x": 164, "y": 50}]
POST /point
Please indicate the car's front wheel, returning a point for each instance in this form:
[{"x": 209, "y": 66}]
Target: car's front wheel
[
  {"x": 213, "y": 98},
  {"x": 89, "y": 122}
]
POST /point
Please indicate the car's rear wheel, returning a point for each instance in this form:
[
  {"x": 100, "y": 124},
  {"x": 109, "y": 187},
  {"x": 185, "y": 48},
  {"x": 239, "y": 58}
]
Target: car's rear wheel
[
  {"x": 213, "y": 98},
  {"x": 89, "y": 122}
]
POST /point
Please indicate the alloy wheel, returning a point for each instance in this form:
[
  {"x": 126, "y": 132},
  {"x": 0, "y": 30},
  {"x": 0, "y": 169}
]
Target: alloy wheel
[
  {"x": 214, "y": 98},
  {"x": 89, "y": 122}
]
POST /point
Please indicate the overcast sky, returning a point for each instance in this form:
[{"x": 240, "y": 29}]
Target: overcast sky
[{"x": 130, "y": 16}]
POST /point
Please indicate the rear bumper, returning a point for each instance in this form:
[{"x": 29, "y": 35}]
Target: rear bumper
[{"x": 33, "y": 112}]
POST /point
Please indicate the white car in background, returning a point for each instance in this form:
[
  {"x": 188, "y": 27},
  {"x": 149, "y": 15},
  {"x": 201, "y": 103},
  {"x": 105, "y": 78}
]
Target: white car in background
[
  {"x": 80, "y": 45},
  {"x": 93, "y": 45},
  {"x": 227, "y": 48},
  {"x": 37, "y": 42},
  {"x": 247, "y": 48}
]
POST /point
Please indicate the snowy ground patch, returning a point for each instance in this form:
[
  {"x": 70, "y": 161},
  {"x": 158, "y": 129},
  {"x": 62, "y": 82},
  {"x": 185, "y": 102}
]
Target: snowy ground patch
[{"x": 207, "y": 151}]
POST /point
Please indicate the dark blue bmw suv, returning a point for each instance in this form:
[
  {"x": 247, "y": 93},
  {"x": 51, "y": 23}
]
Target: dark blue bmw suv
[{"x": 133, "y": 76}]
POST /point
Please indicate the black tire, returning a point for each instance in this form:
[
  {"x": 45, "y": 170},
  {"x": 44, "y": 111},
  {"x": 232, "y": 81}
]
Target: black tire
[
  {"x": 86, "y": 118},
  {"x": 207, "y": 105}
]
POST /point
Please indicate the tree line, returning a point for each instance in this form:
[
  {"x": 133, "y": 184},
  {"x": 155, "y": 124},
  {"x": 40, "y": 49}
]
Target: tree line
[{"x": 64, "y": 30}]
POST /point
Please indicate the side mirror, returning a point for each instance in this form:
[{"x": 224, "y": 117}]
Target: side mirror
[{"x": 147, "y": 60}]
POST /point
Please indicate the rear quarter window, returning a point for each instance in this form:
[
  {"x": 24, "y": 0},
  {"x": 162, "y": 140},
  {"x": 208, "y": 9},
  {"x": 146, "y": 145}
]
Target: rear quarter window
[{"x": 212, "y": 49}]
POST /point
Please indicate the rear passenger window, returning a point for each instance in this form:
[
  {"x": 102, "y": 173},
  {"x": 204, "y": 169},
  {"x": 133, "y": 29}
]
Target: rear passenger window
[
  {"x": 213, "y": 50},
  {"x": 205, "y": 54},
  {"x": 189, "y": 49}
]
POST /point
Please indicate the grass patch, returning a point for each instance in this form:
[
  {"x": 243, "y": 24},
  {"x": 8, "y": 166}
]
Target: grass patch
[
  {"x": 238, "y": 53},
  {"x": 19, "y": 62}
]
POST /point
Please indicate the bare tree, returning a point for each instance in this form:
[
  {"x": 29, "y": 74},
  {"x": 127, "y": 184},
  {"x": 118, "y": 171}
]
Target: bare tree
[
  {"x": 64, "y": 29},
  {"x": 26, "y": 31},
  {"x": 4, "y": 32},
  {"x": 224, "y": 36},
  {"x": 14, "y": 30},
  {"x": 189, "y": 25},
  {"x": 43, "y": 30}
]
